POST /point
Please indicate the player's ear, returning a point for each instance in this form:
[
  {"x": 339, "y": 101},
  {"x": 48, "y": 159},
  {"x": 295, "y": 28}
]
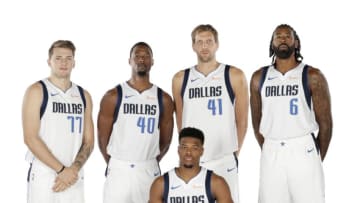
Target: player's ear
[{"x": 201, "y": 150}]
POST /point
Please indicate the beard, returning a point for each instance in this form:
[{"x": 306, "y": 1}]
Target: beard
[
  {"x": 284, "y": 53},
  {"x": 141, "y": 73}
]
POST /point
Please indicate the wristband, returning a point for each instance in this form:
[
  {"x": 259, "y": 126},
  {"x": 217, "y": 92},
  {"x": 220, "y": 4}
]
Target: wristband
[{"x": 61, "y": 170}]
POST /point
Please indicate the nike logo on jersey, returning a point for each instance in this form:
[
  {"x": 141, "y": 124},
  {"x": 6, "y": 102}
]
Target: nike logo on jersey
[
  {"x": 193, "y": 80},
  {"x": 128, "y": 96},
  {"x": 231, "y": 169},
  {"x": 310, "y": 150},
  {"x": 54, "y": 94},
  {"x": 271, "y": 78},
  {"x": 156, "y": 173},
  {"x": 175, "y": 187}
]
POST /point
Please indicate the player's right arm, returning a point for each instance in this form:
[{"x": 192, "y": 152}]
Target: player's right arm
[
  {"x": 176, "y": 90},
  {"x": 105, "y": 121},
  {"x": 31, "y": 126},
  {"x": 255, "y": 104},
  {"x": 157, "y": 190}
]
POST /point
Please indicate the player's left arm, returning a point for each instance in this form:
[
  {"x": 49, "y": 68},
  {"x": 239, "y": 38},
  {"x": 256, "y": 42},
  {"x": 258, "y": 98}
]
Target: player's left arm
[
  {"x": 240, "y": 88},
  {"x": 220, "y": 189},
  {"x": 88, "y": 136},
  {"x": 166, "y": 125},
  {"x": 322, "y": 108}
]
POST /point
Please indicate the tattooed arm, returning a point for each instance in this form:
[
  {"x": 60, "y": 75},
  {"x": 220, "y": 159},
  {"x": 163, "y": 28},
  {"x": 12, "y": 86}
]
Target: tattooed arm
[
  {"x": 322, "y": 107},
  {"x": 88, "y": 137}
]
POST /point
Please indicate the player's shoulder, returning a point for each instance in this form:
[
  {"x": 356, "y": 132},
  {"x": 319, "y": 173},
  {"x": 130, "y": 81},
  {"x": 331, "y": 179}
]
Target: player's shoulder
[
  {"x": 35, "y": 88},
  {"x": 236, "y": 72},
  {"x": 110, "y": 96},
  {"x": 217, "y": 180},
  {"x": 179, "y": 75},
  {"x": 159, "y": 181},
  {"x": 315, "y": 74}
]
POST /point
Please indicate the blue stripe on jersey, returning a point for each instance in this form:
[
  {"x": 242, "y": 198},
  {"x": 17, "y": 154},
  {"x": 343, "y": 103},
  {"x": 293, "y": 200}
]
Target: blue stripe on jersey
[
  {"x": 161, "y": 104},
  {"x": 118, "y": 102},
  {"x": 166, "y": 187},
  {"x": 306, "y": 85},
  {"x": 186, "y": 77},
  {"x": 208, "y": 186},
  {"x": 45, "y": 99},
  {"x": 228, "y": 83},
  {"x": 264, "y": 70},
  {"x": 81, "y": 90}
]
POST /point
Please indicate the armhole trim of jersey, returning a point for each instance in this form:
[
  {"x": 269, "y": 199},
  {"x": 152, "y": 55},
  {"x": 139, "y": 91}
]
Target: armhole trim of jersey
[
  {"x": 208, "y": 186},
  {"x": 45, "y": 99},
  {"x": 81, "y": 90},
  {"x": 118, "y": 102},
  {"x": 306, "y": 87},
  {"x": 228, "y": 83},
  {"x": 186, "y": 78},
  {"x": 264, "y": 71},
  {"x": 161, "y": 103},
  {"x": 166, "y": 187}
]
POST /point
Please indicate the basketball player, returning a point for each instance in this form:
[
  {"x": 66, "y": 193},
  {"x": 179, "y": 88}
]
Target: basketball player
[
  {"x": 135, "y": 125},
  {"x": 58, "y": 130},
  {"x": 213, "y": 96},
  {"x": 190, "y": 182},
  {"x": 290, "y": 101}
]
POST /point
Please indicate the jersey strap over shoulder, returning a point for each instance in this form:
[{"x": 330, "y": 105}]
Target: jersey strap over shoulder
[
  {"x": 264, "y": 70},
  {"x": 45, "y": 98},
  {"x": 186, "y": 78},
  {"x": 305, "y": 83},
  {"x": 118, "y": 102},
  {"x": 228, "y": 83}
]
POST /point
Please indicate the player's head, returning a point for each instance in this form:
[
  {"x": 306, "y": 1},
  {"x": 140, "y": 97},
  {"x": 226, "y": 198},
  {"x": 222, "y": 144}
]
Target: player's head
[
  {"x": 141, "y": 59},
  {"x": 285, "y": 43},
  {"x": 61, "y": 58},
  {"x": 66, "y": 44},
  {"x": 190, "y": 148},
  {"x": 205, "y": 42}
]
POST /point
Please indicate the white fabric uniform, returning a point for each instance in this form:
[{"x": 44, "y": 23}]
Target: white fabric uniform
[
  {"x": 133, "y": 145},
  {"x": 291, "y": 168},
  {"x": 208, "y": 104},
  {"x": 61, "y": 129},
  {"x": 198, "y": 189}
]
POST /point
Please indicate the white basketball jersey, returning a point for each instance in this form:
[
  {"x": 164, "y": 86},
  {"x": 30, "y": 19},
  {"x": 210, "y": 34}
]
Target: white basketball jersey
[
  {"x": 62, "y": 121},
  {"x": 135, "y": 133},
  {"x": 208, "y": 104},
  {"x": 197, "y": 189},
  {"x": 287, "y": 109}
]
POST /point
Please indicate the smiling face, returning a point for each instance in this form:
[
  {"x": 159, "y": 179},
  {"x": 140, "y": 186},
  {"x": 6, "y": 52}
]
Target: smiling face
[{"x": 190, "y": 150}]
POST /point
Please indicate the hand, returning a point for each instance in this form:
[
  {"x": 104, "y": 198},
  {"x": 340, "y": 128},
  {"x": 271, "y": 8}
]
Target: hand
[{"x": 65, "y": 179}]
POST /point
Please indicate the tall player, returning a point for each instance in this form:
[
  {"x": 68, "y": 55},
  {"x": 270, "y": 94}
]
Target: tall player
[
  {"x": 58, "y": 130},
  {"x": 190, "y": 182},
  {"x": 290, "y": 101},
  {"x": 135, "y": 125},
  {"x": 213, "y": 97}
]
